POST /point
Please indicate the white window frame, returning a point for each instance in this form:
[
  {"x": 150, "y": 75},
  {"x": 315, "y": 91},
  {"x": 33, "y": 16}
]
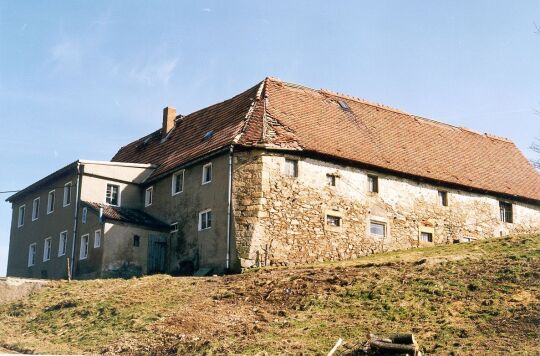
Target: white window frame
[
  {"x": 32, "y": 250},
  {"x": 20, "y": 218},
  {"x": 442, "y": 197},
  {"x": 119, "y": 193},
  {"x": 385, "y": 229},
  {"x": 148, "y": 196},
  {"x": 373, "y": 183},
  {"x": 173, "y": 183},
  {"x": 97, "y": 242},
  {"x": 35, "y": 208},
  {"x": 429, "y": 234},
  {"x": 205, "y": 212},
  {"x": 50, "y": 207},
  {"x": 84, "y": 247},
  {"x": 47, "y": 249},
  {"x": 62, "y": 243},
  {"x": 84, "y": 215},
  {"x": 174, "y": 227},
  {"x": 67, "y": 186},
  {"x": 290, "y": 162},
  {"x": 204, "y": 169}
]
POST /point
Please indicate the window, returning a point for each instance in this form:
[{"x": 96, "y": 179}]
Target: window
[
  {"x": 426, "y": 236},
  {"x": 344, "y": 106},
  {"x": 377, "y": 228},
  {"x": 506, "y": 212},
  {"x": 443, "y": 198},
  {"x": 207, "y": 173},
  {"x": 174, "y": 227},
  {"x": 332, "y": 220},
  {"x": 97, "y": 238},
  {"x": 83, "y": 253},
  {"x": 32, "y": 255},
  {"x": 331, "y": 180},
  {"x": 136, "y": 240},
  {"x": 47, "y": 249},
  {"x": 84, "y": 215},
  {"x": 291, "y": 168},
  {"x": 373, "y": 184},
  {"x": 112, "y": 197},
  {"x": 50, "y": 201},
  {"x": 205, "y": 220},
  {"x": 35, "y": 209},
  {"x": 177, "y": 183},
  {"x": 20, "y": 221},
  {"x": 67, "y": 194},
  {"x": 62, "y": 244},
  {"x": 148, "y": 196}
]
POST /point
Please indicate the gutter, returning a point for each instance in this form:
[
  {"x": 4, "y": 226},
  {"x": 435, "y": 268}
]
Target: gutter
[
  {"x": 75, "y": 218},
  {"x": 229, "y": 211}
]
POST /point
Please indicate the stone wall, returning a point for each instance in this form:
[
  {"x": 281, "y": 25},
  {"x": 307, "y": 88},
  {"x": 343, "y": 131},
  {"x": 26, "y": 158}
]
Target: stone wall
[{"x": 281, "y": 220}]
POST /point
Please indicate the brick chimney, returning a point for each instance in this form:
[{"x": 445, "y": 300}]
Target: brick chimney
[{"x": 169, "y": 114}]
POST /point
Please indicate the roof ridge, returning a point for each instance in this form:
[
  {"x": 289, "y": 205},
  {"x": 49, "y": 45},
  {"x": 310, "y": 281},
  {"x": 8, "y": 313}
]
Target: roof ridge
[{"x": 363, "y": 101}]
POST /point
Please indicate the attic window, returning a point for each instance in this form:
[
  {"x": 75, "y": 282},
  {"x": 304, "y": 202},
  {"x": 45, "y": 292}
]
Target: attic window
[
  {"x": 208, "y": 135},
  {"x": 344, "y": 106}
]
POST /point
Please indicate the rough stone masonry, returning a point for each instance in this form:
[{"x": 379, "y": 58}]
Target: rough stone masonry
[{"x": 288, "y": 220}]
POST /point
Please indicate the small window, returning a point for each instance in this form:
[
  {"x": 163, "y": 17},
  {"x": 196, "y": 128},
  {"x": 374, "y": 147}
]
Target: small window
[
  {"x": 207, "y": 173},
  {"x": 67, "y": 194},
  {"x": 32, "y": 255},
  {"x": 136, "y": 240},
  {"x": 344, "y": 106},
  {"x": 208, "y": 135},
  {"x": 291, "y": 168},
  {"x": 377, "y": 228},
  {"x": 50, "y": 201},
  {"x": 174, "y": 227},
  {"x": 177, "y": 183},
  {"x": 373, "y": 184},
  {"x": 20, "y": 221},
  {"x": 62, "y": 244},
  {"x": 83, "y": 253},
  {"x": 113, "y": 195},
  {"x": 148, "y": 196},
  {"x": 84, "y": 215},
  {"x": 331, "y": 180},
  {"x": 332, "y": 220},
  {"x": 426, "y": 237},
  {"x": 443, "y": 198},
  {"x": 97, "y": 238},
  {"x": 35, "y": 209},
  {"x": 205, "y": 220},
  {"x": 506, "y": 212},
  {"x": 47, "y": 249}
]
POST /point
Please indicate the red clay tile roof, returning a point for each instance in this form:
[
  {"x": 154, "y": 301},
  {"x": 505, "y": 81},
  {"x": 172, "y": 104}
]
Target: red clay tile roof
[
  {"x": 128, "y": 215},
  {"x": 280, "y": 115}
]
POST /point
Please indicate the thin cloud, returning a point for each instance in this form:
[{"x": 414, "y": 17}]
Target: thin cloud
[
  {"x": 207, "y": 9},
  {"x": 155, "y": 73},
  {"x": 66, "y": 55}
]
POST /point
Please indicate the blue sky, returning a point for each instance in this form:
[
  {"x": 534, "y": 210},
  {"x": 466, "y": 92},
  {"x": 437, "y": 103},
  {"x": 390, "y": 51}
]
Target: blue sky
[{"x": 79, "y": 79}]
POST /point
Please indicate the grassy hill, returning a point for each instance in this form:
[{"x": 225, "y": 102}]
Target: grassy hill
[{"x": 482, "y": 297}]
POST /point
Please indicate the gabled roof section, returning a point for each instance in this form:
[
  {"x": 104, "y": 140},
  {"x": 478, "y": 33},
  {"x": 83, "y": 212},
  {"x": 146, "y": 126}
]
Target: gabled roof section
[
  {"x": 191, "y": 138},
  {"x": 127, "y": 215},
  {"x": 285, "y": 116}
]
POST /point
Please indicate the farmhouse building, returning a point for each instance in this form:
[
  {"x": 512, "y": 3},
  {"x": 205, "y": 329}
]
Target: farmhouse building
[{"x": 280, "y": 174}]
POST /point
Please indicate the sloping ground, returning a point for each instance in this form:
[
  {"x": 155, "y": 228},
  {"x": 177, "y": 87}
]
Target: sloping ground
[{"x": 478, "y": 298}]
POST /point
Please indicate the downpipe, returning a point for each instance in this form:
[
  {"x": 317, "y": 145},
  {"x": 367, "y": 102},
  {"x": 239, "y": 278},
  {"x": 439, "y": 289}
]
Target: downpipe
[{"x": 229, "y": 211}]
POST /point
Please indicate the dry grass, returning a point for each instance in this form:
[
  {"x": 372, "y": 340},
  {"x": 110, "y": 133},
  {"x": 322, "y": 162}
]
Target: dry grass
[{"x": 482, "y": 297}]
